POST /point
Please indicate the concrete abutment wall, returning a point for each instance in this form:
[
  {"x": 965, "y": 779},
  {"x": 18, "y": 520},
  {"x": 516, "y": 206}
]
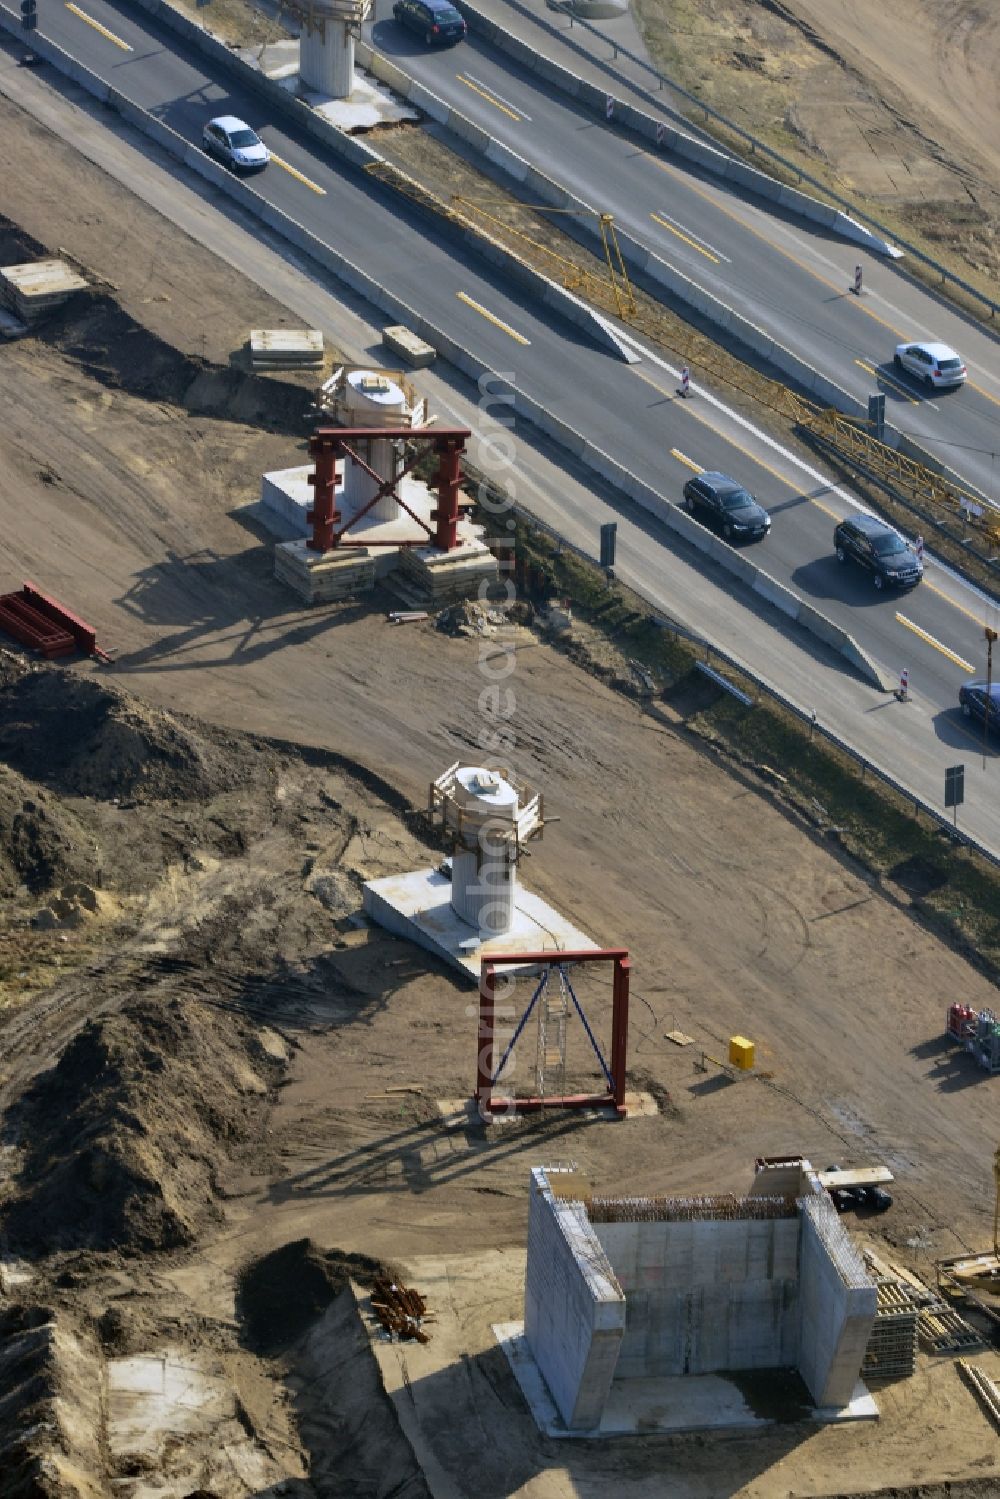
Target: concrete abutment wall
[
  {"x": 574, "y": 1309},
  {"x": 837, "y": 1300},
  {"x": 705, "y": 1296}
]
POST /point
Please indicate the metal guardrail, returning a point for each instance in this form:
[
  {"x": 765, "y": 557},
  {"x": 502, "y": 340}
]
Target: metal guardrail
[
  {"x": 805, "y": 716},
  {"x": 565, "y": 7}
]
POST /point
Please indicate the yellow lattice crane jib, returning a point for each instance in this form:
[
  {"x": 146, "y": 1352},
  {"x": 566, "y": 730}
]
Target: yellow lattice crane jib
[
  {"x": 851, "y": 440},
  {"x": 571, "y": 274}
]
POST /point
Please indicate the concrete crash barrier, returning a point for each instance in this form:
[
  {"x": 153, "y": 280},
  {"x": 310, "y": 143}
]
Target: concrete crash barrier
[
  {"x": 360, "y": 155},
  {"x": 357, "y": 154},
  {"x": 777, "y": 594},
  {"x": 50, "y": 53},
  {"x": 647, "y": 270},
  {"x": 670, "y": 138},
  {"x": 359, "y": 281}
]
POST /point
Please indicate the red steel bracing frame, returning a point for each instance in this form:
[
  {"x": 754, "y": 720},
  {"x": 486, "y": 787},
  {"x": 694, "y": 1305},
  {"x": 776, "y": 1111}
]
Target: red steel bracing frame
[
  {"x": 615, "y": 1096},
  {"x": 327, "y": 444}
]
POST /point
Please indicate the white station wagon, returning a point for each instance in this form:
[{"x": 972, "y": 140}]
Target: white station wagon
[{"x": 936, "y": 365}]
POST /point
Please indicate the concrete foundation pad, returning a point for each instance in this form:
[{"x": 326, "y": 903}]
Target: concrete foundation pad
[
  {"x": 288, "y": 493},
  {"x": 418, "y": 906},
  {"x": 460, "y": 1113},
  {"x": 401, "y": 544},
  {"x": 640, "y": 1407},
  {"x": 370, "y": 104},
  {"x": 707, "y": 1402}
]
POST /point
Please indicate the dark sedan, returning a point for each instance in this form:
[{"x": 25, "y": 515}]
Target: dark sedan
[
  {"x": 977, "y": 700},
  {"x": 435, "y": 20},
  {"x": 728, "y": 505}
]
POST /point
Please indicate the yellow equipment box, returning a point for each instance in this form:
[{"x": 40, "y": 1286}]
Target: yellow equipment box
[{"x": 741, "y": 1053}]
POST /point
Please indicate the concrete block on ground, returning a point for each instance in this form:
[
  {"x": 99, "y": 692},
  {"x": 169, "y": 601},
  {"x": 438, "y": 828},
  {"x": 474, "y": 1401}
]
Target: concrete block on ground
[
  {"x": 444, "y": 577},
  {"x": 324, "y": 577},
  {"x": 400, "y": 341},
  {"x": 286, "y": 348},
  {"x": 38, "y": 286},
  {"x": 705, "y": 1295}
]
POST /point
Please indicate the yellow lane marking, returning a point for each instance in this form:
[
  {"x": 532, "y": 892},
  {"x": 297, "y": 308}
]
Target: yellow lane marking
[
  {"x": 489, "y": 99},
  {"x": 492, "y": 318},
  {"x": 980, "y": 391},
  {"x": 969, "y": 613},
  {"x": 958, "y": 660},
  {"x": 656, "y": 386},
  {"x": 98, "y": 27},
  {"x": 790, "y": 483},
  {"x": 280, "y": 161},
  {"x": 758, "y": 234},
  {"x": 695, "y": 468},
  {"x": 686, "y": 238},
  {"x": 760, "y": 462},
  {"x": 886, "y": 380}
]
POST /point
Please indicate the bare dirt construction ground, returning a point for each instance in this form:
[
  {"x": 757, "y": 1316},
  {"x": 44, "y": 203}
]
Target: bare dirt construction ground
[
  {"x": 218, "y": 1086},
  {"x": 895, "y": 103}
]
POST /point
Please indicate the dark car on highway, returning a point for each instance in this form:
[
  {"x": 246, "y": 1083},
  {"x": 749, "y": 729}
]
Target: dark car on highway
[
  {"x": 981, "y": 700},
  {"x": 435, "y": 20},
  {"x": 728, "y": 505},
  {"x": 880, "y": 550}
]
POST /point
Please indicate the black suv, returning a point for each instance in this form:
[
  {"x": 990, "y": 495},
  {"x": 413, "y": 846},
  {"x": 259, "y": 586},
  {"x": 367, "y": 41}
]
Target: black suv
[
  {"x": 435, "y": 20},
  {"x": 729, "y": 505},
  {"x": 880, "y": 549}
]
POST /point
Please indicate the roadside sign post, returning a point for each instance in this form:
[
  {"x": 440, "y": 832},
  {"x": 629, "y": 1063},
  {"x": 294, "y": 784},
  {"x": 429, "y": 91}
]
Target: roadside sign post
[
  {"x": 969, "y": 508},
  {"x": 609, "y": 534},
  {"x": 29, "y": 14},
  {"x": 876, "y": 415},
  {"x": 954, "y": 789}
]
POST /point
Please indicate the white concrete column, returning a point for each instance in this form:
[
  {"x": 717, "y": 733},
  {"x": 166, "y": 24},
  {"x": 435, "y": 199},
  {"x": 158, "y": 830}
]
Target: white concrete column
[{"x": 326, "y": 62}]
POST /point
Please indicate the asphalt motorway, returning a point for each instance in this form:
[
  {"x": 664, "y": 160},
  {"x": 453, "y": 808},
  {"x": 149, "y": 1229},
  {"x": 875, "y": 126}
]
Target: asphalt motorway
[
  {"x": 633, "y": 412},
  {"x": 788, "y": 277}
]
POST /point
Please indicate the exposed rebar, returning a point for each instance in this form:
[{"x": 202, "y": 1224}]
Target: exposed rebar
[{"x": 687, "y": 1209}]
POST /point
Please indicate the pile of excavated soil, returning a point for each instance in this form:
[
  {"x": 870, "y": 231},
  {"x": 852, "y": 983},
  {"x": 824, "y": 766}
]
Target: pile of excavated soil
[
  {"x": 84, "y": 736},
  {"x": 125, "y": 1138},
  {"x": 280, "y": 1295},
  {"x": 50, "y": 1417},
  {"x": 41, "y": 842}
]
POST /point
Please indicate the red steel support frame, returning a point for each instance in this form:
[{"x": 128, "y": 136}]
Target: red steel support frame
[
  {"x": 327, "y": 444},
  {"x": 615, "y": 1097}
]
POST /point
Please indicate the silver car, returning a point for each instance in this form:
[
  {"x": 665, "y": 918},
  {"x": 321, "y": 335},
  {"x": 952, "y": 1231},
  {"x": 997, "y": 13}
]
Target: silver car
[
  {"x": 937, "y": 365},
  {"x": 233, "y": 142}
]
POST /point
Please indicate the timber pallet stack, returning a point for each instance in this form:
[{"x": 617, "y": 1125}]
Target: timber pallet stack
[{"x": 32, "y": 290}]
